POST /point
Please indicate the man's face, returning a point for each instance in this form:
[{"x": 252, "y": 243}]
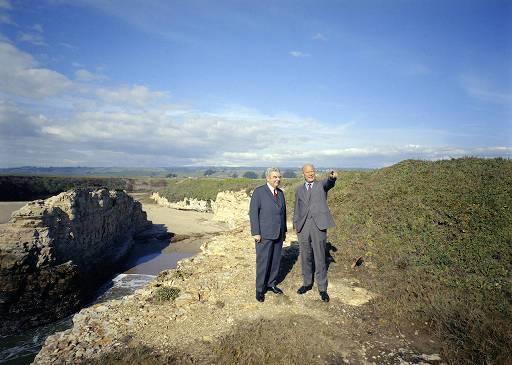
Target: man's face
[
  {"x": 309, "y": 173},
  {"x": 274, "y": 179}
]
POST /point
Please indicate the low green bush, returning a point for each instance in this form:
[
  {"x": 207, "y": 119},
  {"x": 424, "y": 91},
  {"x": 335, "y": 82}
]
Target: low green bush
[
  {"x": 438, "y": 236},
  {"x": 166, "y": 293}
]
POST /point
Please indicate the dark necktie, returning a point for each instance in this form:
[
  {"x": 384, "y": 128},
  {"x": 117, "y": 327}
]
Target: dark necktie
[
  {"x": 309, "y": 186},
  {"x": 275, "y": 193}
]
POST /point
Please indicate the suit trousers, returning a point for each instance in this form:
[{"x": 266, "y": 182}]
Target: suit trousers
[
  {"x": 268, "y": 259},
  {"x": 312, "y": 243}
]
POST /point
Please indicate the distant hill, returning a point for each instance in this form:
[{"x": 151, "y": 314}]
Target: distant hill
[
  {"x": 180, "y": 171},
  {"x": 94, "y": 171}
]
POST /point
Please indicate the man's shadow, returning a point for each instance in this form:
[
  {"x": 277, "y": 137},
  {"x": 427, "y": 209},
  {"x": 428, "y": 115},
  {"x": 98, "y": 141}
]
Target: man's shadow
[
  {"x": 290, "y": 256},
  {"x": 329, "y": 259}
]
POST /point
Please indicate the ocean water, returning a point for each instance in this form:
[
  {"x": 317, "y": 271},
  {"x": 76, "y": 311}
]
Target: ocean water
[
  {"x": 142, "y": 265},
  {"x": 21, "y": 349},
  {"x": 123, "y": 285}
]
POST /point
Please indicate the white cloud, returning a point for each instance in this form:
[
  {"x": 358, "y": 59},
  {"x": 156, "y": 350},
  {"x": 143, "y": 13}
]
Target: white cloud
[
  {"x": 157, "y": 136},
  {"x": 299, "y": 54},
  {"x": 137, "y": 95},
  {"x": 67, "y": 45},
  {"x": 319, "y": 37},
  {"x": 135, "y": 125},
  {"x": 5, "y": 19},
  {"x": 19, "y": 75},
  {"x": 87, "y": 76},
  {"x": 14, "y": 122},
  {"x": 33, "y": 38},
  {"x": 480, "y": 88},
  {"x": 417, "y": 69},
  {"x": 234, "y": 135},
  {"x": 151, "y": 17},
  {"x": 5, "y": 5},
  {"x": 38, "y": 28}
]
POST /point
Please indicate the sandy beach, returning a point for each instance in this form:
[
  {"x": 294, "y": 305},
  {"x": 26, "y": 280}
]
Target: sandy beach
[{"x": 6, "y": 209}]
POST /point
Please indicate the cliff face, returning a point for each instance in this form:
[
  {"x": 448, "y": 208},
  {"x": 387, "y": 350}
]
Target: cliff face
[
  {"x": 232, "y": 208},
  {"x": 54, "y": 252}
]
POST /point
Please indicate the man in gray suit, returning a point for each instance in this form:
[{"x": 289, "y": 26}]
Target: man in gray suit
[
  {"x": 311, "y": 218},
  {"x": 267, "y": 212}
]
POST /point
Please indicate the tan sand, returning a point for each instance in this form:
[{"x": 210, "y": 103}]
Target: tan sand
[
  {"x": 6, "y": 209},
  {"x": 182, "y": 222}
]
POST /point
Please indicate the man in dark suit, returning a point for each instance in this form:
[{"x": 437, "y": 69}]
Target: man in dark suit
[
  {"x": 267, "y": 212},
  {"x": 311, "y": 218}
]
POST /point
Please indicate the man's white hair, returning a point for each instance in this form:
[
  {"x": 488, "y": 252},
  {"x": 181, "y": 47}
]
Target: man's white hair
[
  {"x": 308, "y": 164},
  {"x": 271, "y": 170}
]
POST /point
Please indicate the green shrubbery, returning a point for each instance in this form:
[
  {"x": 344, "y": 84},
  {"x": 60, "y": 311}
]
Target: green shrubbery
[
  {"x": 18, "y": 188},
  {"x": 207, "y": 188},
  {"x": 439, "y": 235},
  {"x": 165, "y": 293},
  {"x": 15, "y": 188}
]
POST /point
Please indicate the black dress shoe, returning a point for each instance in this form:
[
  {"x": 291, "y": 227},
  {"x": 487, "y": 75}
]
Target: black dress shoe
[
  {"x": 260, "y": 297},
  {"x": 304, "y": 288},
  {"x": 274, "y": 289},
  {"x": 324, "y": 296}
]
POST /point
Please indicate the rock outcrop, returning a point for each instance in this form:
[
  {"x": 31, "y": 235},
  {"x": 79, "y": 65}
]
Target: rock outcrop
[
  {"x": 232, "y": 207},
  {"x": 185, "y": 204},
  {"x": 54, "y": 252}
]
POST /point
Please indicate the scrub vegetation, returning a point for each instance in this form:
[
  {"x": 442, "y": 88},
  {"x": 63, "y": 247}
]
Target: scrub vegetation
[
  {"x": 436, "y": 238},
  {"x": 18, "y": 188},
  {"x": 207, "y": 188}
]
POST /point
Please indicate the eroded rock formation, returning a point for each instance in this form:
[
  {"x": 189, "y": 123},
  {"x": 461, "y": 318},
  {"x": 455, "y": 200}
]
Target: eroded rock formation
[
  {"x": 54, "y": 252},
  {"x": 185, "y": 204},
  {"x": 231, "y": 207}
]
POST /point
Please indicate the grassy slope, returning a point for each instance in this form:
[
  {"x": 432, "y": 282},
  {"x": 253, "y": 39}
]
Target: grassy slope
[{"x": 438, "y": 239}]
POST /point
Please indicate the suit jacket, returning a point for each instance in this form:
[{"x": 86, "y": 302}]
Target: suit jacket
[
  {"x": 267, "y": 214},
  {"x": 314, "y": 204}
]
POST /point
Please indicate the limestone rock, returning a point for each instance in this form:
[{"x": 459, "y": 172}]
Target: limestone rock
[
  {"x": 54, "y": 252},
  {"x": 232, "y": 208},
  {"x": 185, "y": 204}
]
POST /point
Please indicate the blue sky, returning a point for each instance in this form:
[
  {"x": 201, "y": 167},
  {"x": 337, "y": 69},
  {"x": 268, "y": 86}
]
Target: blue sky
[{"x": 253, "y": 83}]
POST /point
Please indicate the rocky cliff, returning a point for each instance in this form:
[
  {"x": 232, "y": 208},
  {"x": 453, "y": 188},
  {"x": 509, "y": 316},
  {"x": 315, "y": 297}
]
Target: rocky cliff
[
  {"x": 231, "y": 207},
  {"x": 54, "y": 252}
]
